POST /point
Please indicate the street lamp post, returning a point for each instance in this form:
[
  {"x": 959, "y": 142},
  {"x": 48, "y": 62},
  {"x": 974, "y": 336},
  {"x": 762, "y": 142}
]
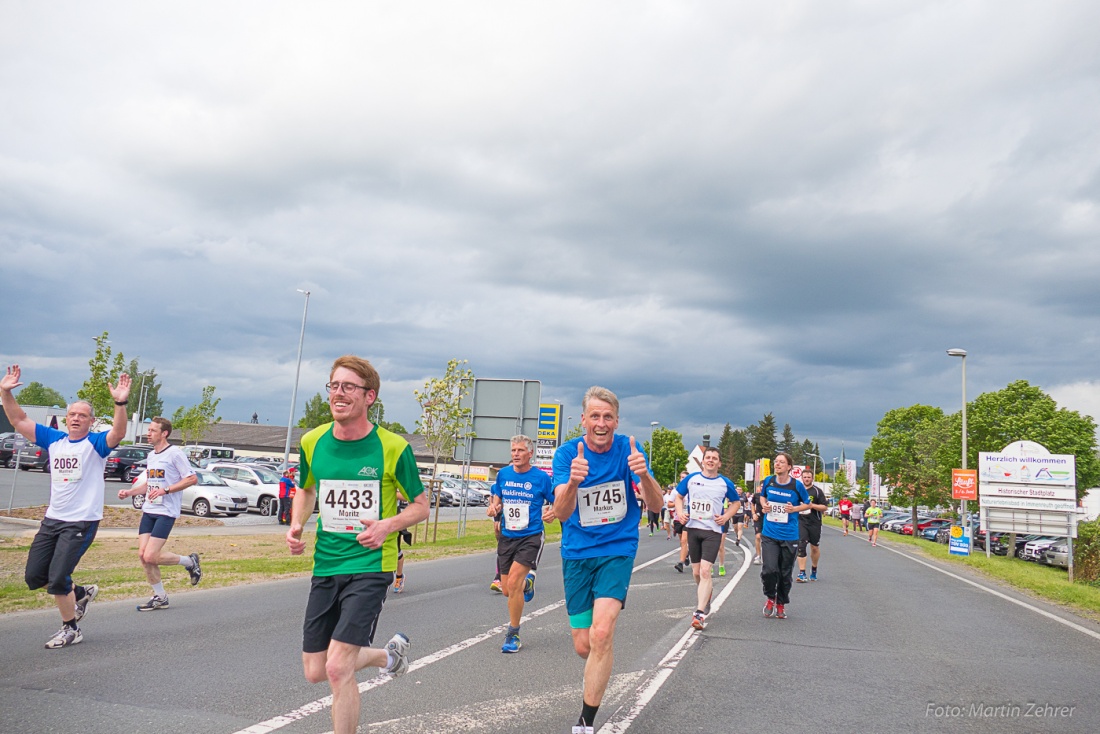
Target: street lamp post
[
  {"x": 652, "y": 449},
  {"x": 815, "y": 462},
  {"x": 297, "y": 374},
  {"x": 961, "y": 353},
  {"x": 140, "y": 416}
]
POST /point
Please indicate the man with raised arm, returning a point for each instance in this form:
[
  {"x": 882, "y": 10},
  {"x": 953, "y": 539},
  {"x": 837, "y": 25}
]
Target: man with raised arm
[
  {"x": 594, "y": 499},
  {"x": 76, "y": 460}
]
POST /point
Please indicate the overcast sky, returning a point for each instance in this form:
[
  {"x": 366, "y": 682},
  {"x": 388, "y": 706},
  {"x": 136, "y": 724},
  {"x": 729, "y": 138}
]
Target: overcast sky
[{"x": 717, "y": 210}]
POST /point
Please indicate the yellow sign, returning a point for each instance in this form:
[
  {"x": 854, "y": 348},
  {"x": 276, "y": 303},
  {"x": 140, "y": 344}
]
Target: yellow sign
[{"x": 549, "y": 420}]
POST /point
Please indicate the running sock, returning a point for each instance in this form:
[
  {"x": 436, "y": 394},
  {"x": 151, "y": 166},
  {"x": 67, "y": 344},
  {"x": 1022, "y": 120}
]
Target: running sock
[
  {"x": 813, "y": 569},
  {"x": 71, "y": 624},
  {"x": 186, "y": 562},
  {"x": 158, "y": 589},
  {"x": 588, "y": 714},
  {"x": 513, "y": 630},
  {"x": 391, "y": 660}
]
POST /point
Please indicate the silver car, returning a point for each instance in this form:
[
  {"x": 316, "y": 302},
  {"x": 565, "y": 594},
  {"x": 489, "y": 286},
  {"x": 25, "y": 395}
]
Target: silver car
[
  {"x": 260, "y": 485},
  {"x": 1056, "y": 555},
  {"x": 205, "y": 497}
]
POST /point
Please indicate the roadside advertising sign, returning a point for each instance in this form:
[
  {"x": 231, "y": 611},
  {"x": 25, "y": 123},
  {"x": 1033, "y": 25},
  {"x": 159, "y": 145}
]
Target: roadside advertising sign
[
  {"x": 749, "y": 469},
  {"x": 959, "y": 541},
  {"x": 1049, "y": 470},
  {"x": 549, "y": 421},
  {"x": 964, "y": 484}
]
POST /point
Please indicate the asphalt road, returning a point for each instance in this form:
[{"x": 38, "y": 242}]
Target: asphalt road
[{"x": 881, "y": 643}]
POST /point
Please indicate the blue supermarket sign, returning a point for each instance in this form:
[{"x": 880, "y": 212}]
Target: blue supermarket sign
[{"x": 959, "y": 541}]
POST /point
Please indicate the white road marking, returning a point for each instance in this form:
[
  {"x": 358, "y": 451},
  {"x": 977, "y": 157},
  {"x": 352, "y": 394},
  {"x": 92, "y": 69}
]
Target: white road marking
[
  {"x": 994, "y": 592},
  {"x": 625, "y": 715},
  {"x": 321, "y": 704}
]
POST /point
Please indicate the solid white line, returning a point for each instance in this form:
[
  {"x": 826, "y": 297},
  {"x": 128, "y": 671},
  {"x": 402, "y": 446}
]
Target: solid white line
[
  {"x": 625, "y": 715},
  {"x": 321, "y": 704},
  {"x": 994, "y": 592}
]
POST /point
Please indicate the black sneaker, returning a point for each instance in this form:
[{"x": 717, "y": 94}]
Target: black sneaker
[
  {"x": 679, "y": 567},
  {"x": 90, "y": 592},
  {"x": 154, "y": 603},
  {"x": 196, "y": 570}
]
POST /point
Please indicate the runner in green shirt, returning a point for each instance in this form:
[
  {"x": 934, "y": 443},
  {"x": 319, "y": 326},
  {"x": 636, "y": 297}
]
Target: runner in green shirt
[{"x": 353, "y": 470}]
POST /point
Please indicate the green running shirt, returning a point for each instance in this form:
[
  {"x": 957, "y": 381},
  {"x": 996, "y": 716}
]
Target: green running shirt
[{"x": 379, "y": 456}]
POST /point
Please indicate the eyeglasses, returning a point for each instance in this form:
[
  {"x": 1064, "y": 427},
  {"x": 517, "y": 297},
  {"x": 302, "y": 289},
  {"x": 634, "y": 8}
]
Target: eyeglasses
[{"x": 345, "y": 387}]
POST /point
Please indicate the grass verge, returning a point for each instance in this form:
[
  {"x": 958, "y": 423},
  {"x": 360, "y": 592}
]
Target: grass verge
[
  {"x": 1043, "y": 582},
  {"x": 227, "y": 560}
]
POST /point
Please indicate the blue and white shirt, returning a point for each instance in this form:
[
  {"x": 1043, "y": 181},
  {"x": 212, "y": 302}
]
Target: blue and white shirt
[
  {"x": 523, "y": 497},
  {"x": 76, "y": 474},
  {"x": 777, "y": 523},
  {"x": 605, "y": 520},
  {"x": 705, "y": 497}
]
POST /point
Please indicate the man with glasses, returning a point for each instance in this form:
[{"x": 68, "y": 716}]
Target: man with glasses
[
  {"x": 77, "y": 459},
  {"x": 594, "y": 499},
  {"x": 355, "y": 470},
  {"x": 781, "y": 496}
]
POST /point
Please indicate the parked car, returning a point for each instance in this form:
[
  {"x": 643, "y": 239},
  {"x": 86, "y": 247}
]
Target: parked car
[
  {"x": 450, "y": 493},
  {"x": 121, "y": 459},
  {"x": 1056, "y": 555},
  {"x": 10, "y": 445},
  {"x": 259, "y": 485},
  {"x": 135, "y": 470},
  {"x": 481, "y": 489},
  {"x": 34, "y": 457},
  {"x": 207, "y": 496},
  {"x": 1033, "y": 548},
  {"x": 907, "y": 528},
  {"x": 896, "y": 525}
]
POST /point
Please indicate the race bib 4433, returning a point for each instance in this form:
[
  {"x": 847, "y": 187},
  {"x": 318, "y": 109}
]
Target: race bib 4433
[{"x": 345, "y": 502}]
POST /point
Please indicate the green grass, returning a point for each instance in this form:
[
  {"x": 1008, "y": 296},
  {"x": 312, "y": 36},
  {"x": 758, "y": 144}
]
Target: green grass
[
  {"x": 1044, "y": 582},
  {"x": 227, "y": 560}
]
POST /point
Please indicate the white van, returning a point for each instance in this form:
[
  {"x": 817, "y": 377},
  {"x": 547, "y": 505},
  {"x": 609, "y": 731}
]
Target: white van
[{"x": 212, "y": 453}]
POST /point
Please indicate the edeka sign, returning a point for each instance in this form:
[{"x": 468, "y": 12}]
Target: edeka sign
[
  {"x": 959, "y": 541},
  {"x": 964, "y": 484}
]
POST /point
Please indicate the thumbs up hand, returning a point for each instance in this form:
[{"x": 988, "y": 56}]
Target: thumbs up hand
[
  {"x": 578, "y": 470},
  {"x": 637, "y": 459}
]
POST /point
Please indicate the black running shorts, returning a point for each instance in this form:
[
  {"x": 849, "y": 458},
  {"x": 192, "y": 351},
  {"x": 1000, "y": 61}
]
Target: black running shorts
[
  {"x": 526, "y": 551},
  {"x": 344, "y": 608},
  {"x": 703, "y": 545}
]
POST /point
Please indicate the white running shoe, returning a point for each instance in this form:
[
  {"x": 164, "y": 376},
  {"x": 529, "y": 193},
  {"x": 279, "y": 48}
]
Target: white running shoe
[{"x": 398, "y": 646}]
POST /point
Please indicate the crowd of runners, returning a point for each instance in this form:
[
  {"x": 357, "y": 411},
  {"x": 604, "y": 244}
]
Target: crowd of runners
[{"x": 364, "y": 480}]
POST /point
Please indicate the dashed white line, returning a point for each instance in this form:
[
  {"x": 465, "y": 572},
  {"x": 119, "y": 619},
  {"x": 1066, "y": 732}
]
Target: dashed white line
[{"x": 278, "y": 722}]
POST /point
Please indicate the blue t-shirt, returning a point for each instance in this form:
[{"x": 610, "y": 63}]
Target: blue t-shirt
[
  {"x": 524, "y": 496},
  {"x": 605, "y": 520},
  {"x": 795, "y": 493}
]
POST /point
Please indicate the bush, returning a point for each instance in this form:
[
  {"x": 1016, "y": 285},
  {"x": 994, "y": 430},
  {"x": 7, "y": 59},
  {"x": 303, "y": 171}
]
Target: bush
[{"x": 1086, "y": 551}]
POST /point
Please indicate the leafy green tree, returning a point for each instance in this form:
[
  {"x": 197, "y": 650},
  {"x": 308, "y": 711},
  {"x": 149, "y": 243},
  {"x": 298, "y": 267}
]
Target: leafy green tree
[
  {"x": 193, "y": 423},
  {"x": 443, "y": 418},
  {"x": 575, "y": 432},
  {"x": 733, "y": 447},
  {"x": 35, "y": 393},
  {"x": 762, "y": 443},
  {"x": 667, "y": 456},
  {"x": 377, "y": 415},
  {"x": 316, "y": 412},
  {"x": 105, "y": 368},
  {"x": 910, "y": 452},
  {"x": 1023, "y": 412}
]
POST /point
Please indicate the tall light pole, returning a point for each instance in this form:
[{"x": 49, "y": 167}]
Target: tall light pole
[
  {"x": 139, "y": 417},
  {"x": 652, "y": 449},
  {"x": 961, "y": 353},
  {"x": 297, "y": 374},
  {"x": 815, "y": 462}
]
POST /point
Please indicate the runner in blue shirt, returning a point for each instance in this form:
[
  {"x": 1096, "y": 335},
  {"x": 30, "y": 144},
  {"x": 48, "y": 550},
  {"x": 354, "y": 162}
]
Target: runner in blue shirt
[
  {"x": 593, "y": 477},
  {"x": 522, "y": 498},
  {"x": 781, "y": 498}
]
